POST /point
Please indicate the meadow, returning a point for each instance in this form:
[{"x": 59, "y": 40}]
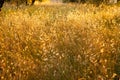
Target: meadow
[{"x": 60, "y": 42}]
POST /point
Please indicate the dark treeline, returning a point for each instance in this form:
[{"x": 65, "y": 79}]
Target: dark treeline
[
  {"x": 93, "y": 1},
  {"x": 31, "y": 2},
  {"x": 78, "y": 1},
  {"x": 1, "y": 4},
  {"x": 17, "y": 2},
  {"x": 21, "y": 1}
]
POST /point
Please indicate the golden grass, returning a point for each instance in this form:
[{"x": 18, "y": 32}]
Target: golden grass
[{"x": 65, "y": 42}]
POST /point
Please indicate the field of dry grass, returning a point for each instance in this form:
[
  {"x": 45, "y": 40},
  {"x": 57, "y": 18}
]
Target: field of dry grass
[{"x": 65, "y": 42}]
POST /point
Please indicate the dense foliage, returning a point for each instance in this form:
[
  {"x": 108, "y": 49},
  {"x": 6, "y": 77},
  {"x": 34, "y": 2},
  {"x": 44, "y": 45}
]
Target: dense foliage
[
  {"x": 78, "y": 1},
  {"x": 19, "y": 2},
  {"x": 60, "y": 42}
]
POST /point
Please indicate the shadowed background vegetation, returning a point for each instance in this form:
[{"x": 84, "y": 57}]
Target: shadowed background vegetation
[
  {"x": 97, "y": 2},
  {"x": 60, "y": 42}
]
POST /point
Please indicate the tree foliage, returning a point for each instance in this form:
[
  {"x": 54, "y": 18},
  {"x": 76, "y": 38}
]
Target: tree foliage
[
  {"x": 18, "y": 2},
  {"x": 92, "y": 1},
  {"x": 77, "y": 1}
]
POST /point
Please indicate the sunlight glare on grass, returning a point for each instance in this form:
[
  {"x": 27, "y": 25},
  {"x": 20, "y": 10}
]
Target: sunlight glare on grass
[{"x": 60, "y": 42}]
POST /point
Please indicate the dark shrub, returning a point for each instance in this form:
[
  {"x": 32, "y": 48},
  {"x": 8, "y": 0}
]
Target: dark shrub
[{"x": 1, "y": 4}]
